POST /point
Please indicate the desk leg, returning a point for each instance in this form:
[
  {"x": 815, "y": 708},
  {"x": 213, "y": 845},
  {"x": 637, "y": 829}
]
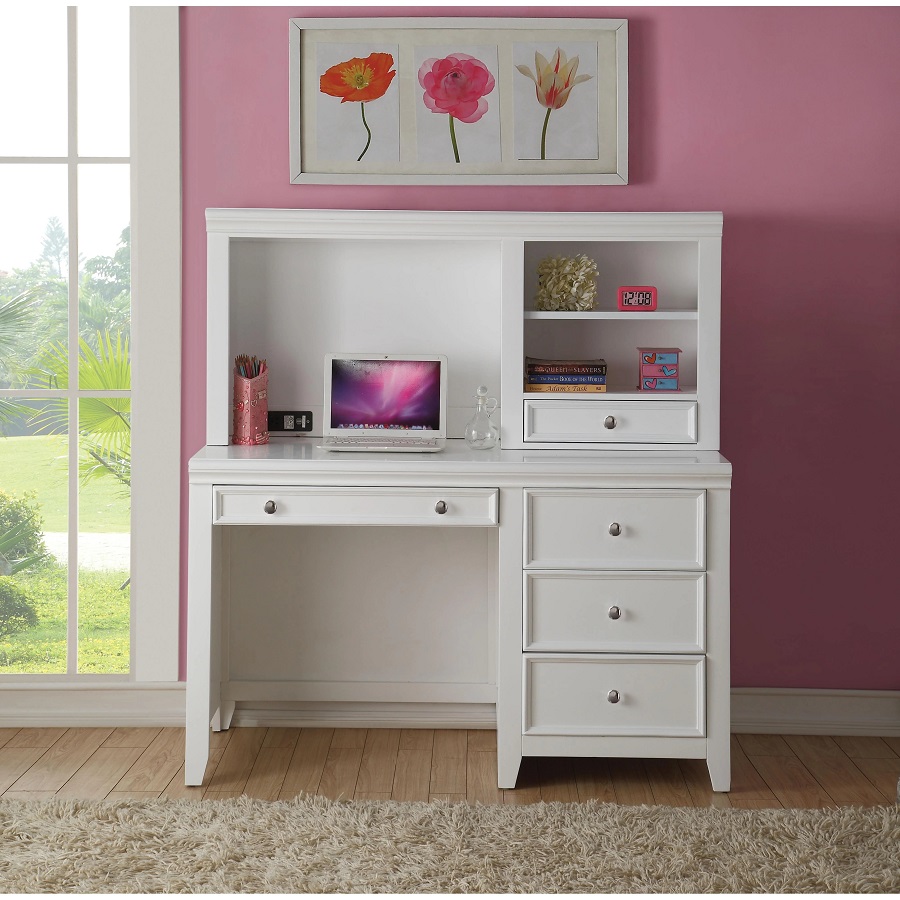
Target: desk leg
[
  {"x": 221, "y": 720},
  {"x": 509, "y": 636},
  {"x": 718, "y": 632},
  {"x": 201, "y": 681}
]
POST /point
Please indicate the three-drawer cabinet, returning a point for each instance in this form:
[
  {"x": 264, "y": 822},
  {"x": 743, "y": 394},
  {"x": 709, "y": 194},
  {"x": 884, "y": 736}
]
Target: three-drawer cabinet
[{"x": 614, "y": 615}]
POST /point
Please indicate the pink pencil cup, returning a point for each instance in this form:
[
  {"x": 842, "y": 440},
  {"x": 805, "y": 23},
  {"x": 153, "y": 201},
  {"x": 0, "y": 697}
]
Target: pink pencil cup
[{"x": 251, "y": 409}]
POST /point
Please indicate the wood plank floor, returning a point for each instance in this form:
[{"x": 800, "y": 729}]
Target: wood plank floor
[{"x": 381, "y": 764}]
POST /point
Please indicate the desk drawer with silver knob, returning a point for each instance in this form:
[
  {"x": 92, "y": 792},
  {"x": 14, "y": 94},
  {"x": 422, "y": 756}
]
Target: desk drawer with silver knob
[
  {"x": 610, "y": 421},
  {"x": 610, "y": 529},
  {"x": 628, "y": 612},
  {"x": 614, "y": 695},
  {"x": 241, "y": 505}
]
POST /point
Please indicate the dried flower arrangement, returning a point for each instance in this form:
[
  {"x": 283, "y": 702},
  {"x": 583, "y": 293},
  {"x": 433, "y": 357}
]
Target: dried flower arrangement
[{"x": 566, "y": 283}]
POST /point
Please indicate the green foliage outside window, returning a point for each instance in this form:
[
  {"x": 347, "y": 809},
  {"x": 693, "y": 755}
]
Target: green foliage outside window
[
  {"x": 16, "y": 611},
  {"x": 37, "y": 298},
  {"x": 34, "y": 350},
  {"x": 21, "y": 528},
  {"x": 34, "y": 341},
  {"x": 21, "y": 547}
]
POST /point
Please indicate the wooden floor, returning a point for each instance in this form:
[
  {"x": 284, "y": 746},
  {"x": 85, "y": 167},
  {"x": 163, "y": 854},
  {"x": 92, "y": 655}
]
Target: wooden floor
[{"x": 381, "y": 764}]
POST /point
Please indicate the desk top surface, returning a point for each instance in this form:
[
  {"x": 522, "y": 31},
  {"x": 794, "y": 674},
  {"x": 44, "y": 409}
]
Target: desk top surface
[{"x": 302, "y": 454}]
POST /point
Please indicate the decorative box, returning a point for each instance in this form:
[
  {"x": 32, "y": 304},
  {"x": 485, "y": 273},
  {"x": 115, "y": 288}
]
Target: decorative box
[{"x": 658, "y": 368}]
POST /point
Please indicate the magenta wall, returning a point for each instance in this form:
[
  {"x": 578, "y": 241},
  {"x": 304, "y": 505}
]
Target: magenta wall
[{"x": 784, "y": 119}]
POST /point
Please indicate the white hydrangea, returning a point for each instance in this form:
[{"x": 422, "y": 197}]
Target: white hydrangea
[{"x": 566, "y": 282}]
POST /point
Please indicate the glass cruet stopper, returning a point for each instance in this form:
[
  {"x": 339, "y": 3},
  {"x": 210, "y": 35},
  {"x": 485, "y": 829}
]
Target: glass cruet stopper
[{"x": 481, "y": 433}]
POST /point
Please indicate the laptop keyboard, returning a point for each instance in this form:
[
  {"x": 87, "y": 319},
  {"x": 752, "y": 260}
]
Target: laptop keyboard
[{"x": 382, "y": 442}]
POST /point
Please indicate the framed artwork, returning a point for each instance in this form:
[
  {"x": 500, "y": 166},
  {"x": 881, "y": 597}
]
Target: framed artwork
[{"x": 459, "y": 101}]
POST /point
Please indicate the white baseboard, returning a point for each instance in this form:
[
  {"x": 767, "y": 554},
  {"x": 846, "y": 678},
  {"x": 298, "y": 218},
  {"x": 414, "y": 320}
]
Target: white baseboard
[
  {"x": 809, "y": 711},
  {"x": 753, "y": 710},
  {"x": 122, "y": 705}
]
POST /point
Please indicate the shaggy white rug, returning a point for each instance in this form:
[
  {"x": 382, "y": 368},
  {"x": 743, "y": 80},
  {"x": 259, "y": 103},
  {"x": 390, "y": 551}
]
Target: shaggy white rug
[{"x": 311, "y": 845}]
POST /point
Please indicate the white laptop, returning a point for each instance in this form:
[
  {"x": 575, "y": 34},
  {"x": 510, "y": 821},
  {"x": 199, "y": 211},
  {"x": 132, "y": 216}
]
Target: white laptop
[{"x": 385, "y": 403}]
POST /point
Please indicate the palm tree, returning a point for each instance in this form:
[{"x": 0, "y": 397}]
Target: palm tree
[
  {"x": 104, "y": 423},
  {"x": 16, "y": 317},
  {"x": 10, "y": 541}
]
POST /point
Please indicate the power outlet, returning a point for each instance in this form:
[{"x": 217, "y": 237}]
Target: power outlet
[{"x": 290, "y": 421}]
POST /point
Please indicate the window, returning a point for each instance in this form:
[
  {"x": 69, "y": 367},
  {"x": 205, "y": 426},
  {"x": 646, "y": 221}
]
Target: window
[{"x": 69, "y": 334}]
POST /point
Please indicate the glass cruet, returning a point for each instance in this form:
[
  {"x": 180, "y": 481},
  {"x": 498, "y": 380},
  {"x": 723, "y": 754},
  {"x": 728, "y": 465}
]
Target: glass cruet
[{"x": 481, "y": 432}]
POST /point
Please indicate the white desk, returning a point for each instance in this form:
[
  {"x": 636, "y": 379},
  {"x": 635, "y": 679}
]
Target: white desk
[{"x": 574, "y": 672}]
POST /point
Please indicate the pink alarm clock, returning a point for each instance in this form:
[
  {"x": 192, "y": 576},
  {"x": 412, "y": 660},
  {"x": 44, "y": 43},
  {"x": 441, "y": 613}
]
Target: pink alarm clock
[{"x": 637, "y": 298}]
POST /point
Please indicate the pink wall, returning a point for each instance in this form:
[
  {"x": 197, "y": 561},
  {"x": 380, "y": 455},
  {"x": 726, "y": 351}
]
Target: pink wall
[{"x": 784, "y": 119}]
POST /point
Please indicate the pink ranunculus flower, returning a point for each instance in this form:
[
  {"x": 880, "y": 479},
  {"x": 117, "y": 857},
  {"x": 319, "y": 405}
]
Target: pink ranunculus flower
[{"x": 456, "y": 85}]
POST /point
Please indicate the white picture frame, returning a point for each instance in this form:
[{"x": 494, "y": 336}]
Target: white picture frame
[{"x": 514, "y": 121}]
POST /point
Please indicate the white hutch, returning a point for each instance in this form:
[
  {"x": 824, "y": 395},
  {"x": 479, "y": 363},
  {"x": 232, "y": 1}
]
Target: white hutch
[{"x": 574, "y": 592}]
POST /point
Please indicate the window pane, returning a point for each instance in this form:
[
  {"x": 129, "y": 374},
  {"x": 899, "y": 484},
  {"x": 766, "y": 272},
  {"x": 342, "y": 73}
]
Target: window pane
[
  {"x": 34, "y": 261},
  {"x": 105, "y": 276},
  {"x": 33, "y": 78},
  {"x": 34, "y": 505},
  {"x": 103, "y": 79},
  {"x": 104, "y": 535}
]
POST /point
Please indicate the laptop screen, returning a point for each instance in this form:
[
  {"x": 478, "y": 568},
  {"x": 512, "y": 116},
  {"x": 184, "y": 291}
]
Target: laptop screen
[{"x": 387, "y": 393}]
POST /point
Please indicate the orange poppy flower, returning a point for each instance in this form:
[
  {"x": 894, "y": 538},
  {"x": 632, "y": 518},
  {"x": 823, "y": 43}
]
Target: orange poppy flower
[{"x": 359, "y": 79}]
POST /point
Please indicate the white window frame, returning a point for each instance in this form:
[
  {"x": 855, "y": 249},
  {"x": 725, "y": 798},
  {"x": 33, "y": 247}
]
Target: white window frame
[
  {"x": 156, "y": 330},
  {"x": 155, "y": 161}
]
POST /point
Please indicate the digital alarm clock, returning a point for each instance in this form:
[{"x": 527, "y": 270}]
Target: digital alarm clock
[{"x": 637, "y": 298}]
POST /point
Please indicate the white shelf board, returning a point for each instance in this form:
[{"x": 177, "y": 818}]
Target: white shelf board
[
  {"x": 671, "y": 315},
  {"x": 687, "y": 394}
]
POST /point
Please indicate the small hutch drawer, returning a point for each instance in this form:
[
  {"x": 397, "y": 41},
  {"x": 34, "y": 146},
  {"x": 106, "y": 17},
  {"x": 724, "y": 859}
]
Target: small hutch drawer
[
  {"x": 633, "y": 612},
  {"x": 610, "y": 421},
  {"x": 608, "y": 529},
  {"x": 355, "y": 506},
  {"x": 615, "y": 695}
]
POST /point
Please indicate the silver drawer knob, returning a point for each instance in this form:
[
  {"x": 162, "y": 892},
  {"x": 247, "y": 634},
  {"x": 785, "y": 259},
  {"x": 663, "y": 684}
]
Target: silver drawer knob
[
  {"x": 613, "y": 697},
  {"x": 440, "y": 507},
  {"x": 610, "y": 422},
  {"x": 615, "y": 529},
  {"x": 270, "y": 507},
  {"x": 615, "y": 612}
]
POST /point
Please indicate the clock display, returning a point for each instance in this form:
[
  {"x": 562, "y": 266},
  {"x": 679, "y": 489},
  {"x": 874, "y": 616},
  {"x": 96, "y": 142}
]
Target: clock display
[{"x": 637, "y": 298}]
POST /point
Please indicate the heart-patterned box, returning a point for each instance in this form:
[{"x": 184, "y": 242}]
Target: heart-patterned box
[{"x": 658, "y": 368}]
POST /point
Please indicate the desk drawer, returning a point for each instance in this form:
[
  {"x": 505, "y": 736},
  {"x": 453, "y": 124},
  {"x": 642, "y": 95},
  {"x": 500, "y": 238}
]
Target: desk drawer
[
  {"x": 355, "y": 506},
  {"x": 635, "y": 612},
  {"x": 611, "y": 421},
  {"x": 606, "y": 529},
  {"x": 654, "y": 695}
]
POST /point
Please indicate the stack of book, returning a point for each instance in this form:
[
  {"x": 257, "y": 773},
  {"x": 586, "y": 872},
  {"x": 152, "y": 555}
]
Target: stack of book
[{"x": 570, "y": 376}]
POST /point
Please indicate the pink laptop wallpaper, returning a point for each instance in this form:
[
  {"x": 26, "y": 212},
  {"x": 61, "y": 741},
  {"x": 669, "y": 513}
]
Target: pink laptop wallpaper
[{"x": 395, "y": 393}]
